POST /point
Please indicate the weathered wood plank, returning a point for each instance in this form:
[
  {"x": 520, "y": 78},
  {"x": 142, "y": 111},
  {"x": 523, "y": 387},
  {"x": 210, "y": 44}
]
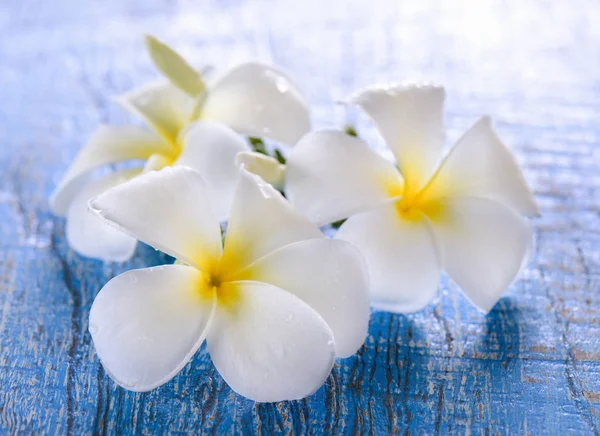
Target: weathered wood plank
[{"x": 532, "y": 365}]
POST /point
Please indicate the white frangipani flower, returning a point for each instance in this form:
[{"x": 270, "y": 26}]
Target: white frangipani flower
[
  {"x": 462, "y": 213},
  {"x": 277, "y": 303},
  {"x": 200, "y": 131}
]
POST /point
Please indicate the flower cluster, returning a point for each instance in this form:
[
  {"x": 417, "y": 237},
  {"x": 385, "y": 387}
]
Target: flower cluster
[
  {"x": 192, "y": 123},
  {"x": 275, "y": 300}
]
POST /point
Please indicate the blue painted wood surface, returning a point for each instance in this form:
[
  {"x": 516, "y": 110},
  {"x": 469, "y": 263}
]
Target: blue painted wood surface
[{"x": 531, "y": 366}]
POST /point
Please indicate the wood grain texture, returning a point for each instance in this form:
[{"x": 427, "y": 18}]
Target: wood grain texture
[{"x": 531, "y": 366}]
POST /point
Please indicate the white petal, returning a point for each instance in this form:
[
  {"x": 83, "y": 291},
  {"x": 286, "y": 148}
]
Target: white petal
[
  {"x": 261, "y": 221},
  {"x": 259, "y": 100},
  {"x": 484, "y": 245},
  {"x": 211, "y": 149},
  {"x": 410, "y": 120},
  {"x": 147, "y": 324},
  {"x": 88, "y": 235},
  {"x": 268, "y": 168},
  {"x": 401, "y": 256},
  {"x": 331, "y": 175},
  {"x": 174, "y": 67},
  {"x": 108, "y": 144},
  {"x": 331, "y": 277},
  {"x": 163, "y": 106},
  {"x": 274, "y": 347},
  {"x": 167, "y": 209},
  {"x": 480, "y": 165}
]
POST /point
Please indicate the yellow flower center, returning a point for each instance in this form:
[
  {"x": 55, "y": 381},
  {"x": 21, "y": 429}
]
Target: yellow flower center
[
  {"x": 414, "y": 204},
  {"x": 220, "y": 275},
  {"x": 216, "y": 283},
  {"x": 159, "y": 161}
]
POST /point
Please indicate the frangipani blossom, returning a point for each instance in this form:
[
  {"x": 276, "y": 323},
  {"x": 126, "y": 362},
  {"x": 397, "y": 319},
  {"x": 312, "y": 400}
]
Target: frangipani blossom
[
  {"x": 200, "y": 131},
  {"x": 276, "y": 304},
  {"x": 462, "y": 213}
]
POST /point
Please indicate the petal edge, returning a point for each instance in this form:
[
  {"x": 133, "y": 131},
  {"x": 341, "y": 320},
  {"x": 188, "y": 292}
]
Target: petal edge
[{"x": 143, "y": 335}]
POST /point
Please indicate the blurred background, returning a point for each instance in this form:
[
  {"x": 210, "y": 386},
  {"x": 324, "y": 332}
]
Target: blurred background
[{"x": 532, "y": 365}]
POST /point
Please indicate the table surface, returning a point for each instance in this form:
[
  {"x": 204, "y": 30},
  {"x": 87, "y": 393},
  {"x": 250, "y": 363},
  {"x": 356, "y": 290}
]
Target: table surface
[{"x": 531, "y": 365}]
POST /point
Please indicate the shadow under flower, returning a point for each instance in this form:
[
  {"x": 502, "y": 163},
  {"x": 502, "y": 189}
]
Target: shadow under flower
[
  {"x": 406, "y": 373},
  {"x": 502, "y": 338}
]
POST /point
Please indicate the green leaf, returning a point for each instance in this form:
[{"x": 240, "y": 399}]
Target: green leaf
[
  {"x": 350, "y": 130},
  {"x": 280, "y": 157},
  {"x": 174, "y": 67},
  {"x": 337, "y": 224},
  {"x": 258, "y": 145}
]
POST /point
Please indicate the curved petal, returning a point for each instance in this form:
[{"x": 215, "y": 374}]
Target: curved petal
[
  {"x": 401, "y": 256},
  {"x": 167, "y": 209},
  {"x": 174, "y": 67},
  {"x": 108, "y": 144},
  {"x": 268, "y": 168},
  {"x": 211, "y": 149},
  {"x": 274, "y": 347},
  {"x": 328, "y": 275},
  {"x": 163, "y": 106},
  {"x": 89, "y": 236},
  {"x": 259, "y": 100},
  {"x": 261, "y": 221},
  {"x": 480, "y": 165},
  {"x": 409, "y": 116},
  {"x": 331, "y": 175},
  {"x": 484, "y": 244},
  {"x": 148, "y": 323}
]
